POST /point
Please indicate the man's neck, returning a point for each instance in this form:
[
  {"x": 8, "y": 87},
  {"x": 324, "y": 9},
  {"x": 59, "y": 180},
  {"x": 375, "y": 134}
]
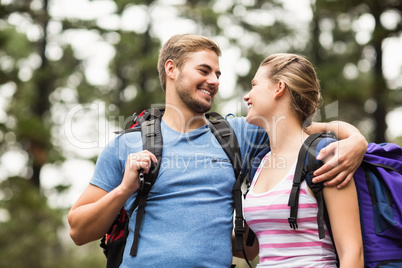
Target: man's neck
[{"x": 183, "y": 120}]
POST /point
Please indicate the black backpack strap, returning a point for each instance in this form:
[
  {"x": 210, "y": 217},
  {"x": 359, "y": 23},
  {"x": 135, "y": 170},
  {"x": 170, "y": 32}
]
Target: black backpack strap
[
  {"x": 317, "y": 188},
  {"x": 152, "y": 141},
  {"x": 227, "y": 139},
  {"x": 300, "y": 174},
  {"x": 250, "y": 238},
  {"x": 306, "y": 165}
]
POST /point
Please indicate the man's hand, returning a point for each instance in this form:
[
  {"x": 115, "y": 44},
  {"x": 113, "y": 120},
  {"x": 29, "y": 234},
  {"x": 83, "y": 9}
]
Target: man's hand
[
  {"x": 136, "y": 162},
  {"x": 341, "y": 158},
  {"x": 347, "y": 155}
]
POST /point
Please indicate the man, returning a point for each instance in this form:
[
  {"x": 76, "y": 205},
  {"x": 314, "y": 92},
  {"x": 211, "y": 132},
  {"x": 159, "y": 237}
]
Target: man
[{"x": 188, "y": 218}]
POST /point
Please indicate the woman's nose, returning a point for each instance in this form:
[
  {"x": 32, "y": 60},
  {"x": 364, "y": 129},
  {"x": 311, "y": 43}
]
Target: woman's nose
[{"x": 246, "y": 97}]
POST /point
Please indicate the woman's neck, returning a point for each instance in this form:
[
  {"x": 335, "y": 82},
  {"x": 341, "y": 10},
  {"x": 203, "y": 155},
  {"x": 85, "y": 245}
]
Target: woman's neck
[{"x": 286, "y": 136}]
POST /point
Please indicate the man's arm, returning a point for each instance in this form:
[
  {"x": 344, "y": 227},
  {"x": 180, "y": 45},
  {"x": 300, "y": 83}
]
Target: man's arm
[
  {"x": 95, "y": 210},
  {"x": 341, "y": 158}
]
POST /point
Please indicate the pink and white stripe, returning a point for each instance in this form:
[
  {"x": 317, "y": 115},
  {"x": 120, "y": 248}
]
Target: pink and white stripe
[{"x": 280, "y": 246}]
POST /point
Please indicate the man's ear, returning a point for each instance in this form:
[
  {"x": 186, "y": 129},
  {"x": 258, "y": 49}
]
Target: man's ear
[
  {"x": 280, "y": 89},
  {"x": 170, "y": 67}
]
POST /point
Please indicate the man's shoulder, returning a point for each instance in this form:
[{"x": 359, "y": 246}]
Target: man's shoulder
[
  {"x": 128, "y": 134},
  {"x": 122, "y": 141},
  {"x": 238, "y": 122}
]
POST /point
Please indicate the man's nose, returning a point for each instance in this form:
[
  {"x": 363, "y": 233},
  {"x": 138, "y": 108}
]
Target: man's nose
[{"x": 213, "y": 79}]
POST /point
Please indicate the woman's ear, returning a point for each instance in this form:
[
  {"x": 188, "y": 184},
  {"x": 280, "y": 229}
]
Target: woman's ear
[
  {"x": 280, "y": 89},
  {"x": 170, "y": 67}
]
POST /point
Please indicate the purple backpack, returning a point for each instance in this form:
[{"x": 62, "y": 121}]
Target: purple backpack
[{"x": 379, "y": 187}]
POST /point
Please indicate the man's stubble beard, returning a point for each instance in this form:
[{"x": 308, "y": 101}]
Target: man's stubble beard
[{"x": 185, "y": 96}]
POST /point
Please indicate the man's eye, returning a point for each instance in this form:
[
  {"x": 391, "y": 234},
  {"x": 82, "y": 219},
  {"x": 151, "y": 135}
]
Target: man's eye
[{"x": 203, "y": 71}]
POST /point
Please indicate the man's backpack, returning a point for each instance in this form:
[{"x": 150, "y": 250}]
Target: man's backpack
[
  {"x": 378, "y": 183},
  {"x": 148, "y": 122}
]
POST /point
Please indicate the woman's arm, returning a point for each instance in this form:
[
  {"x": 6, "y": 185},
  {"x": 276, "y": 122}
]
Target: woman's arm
[
  {"x": 343, "y": 211},
  {"x": 342, "y": 157}
]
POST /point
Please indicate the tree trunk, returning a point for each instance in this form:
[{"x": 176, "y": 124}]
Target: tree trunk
[
  {"x": 380, "y": 91},
  {"x": 41, "y": 105}
]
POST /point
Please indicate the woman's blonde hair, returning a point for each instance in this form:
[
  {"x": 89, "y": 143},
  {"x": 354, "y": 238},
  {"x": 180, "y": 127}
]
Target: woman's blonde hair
[
  {"x": 177, "y": 49},
  {"x": 301, "y": 80}
]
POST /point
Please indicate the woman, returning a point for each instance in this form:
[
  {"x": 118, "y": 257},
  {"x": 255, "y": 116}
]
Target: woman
[{"x": 284, "y": 97}]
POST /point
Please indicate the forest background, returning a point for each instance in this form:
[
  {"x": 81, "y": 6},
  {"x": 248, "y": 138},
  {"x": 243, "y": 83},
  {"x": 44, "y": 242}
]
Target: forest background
[{"x": 74, "y": 71}]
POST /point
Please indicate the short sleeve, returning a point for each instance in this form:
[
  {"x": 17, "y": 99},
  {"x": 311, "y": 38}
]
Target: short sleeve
[{"x": 252, "y": 140}]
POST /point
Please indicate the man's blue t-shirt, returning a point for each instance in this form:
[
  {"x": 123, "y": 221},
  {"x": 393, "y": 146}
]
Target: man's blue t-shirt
[{"x": 188, "y": 216}]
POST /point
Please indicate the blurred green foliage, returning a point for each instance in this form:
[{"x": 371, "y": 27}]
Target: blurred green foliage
[{"x": 31, "y": 232}]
